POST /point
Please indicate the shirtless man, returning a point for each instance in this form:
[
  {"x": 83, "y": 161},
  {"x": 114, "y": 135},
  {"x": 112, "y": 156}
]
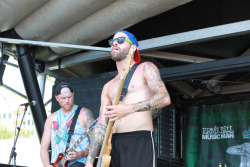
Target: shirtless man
[{"x": 132, "y": 140}]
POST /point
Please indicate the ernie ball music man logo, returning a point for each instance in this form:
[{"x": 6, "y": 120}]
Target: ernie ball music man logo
[{"x": 223, "y": 132}]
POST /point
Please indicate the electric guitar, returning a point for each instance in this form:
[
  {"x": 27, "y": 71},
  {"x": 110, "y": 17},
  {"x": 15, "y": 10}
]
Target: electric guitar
[
  {"x": 61, "y": 159},
  {"x": 104, "y": 156}
]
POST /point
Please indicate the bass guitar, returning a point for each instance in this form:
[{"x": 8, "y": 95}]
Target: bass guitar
[
  {"x": 61, "y": 159},
  {"x": 104, "y": 156}
]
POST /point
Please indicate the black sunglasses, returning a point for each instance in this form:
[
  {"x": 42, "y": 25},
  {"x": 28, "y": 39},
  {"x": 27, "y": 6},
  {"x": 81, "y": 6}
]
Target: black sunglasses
[{"x": 120, "y": 40}]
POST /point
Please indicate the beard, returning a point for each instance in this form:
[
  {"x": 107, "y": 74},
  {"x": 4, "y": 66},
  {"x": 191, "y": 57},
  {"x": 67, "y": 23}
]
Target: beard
[
  {"x": 67, "y": 107},
  {"x": 120, "y": 55}
]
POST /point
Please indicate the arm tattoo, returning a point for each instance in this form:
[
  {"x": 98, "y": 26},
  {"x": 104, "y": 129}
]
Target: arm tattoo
[
  {"x": 89, "y": 118},
  {"x": 96, "y": 140},
  {"x": 153, "y": 77},
  {"x": 149, "y": 105},
  {"x": 85, "y": 152},
  {"x": 141, "y": 107},
  {"x": 156, "y": 85}
]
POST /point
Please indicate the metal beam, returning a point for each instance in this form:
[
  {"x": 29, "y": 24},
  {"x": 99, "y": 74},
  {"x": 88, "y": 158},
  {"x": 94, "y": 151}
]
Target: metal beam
[
  {"x": 175, "y": 57},
  {"x": 201, "y": 35},
  {"x": 182, "y": 87},
  {"x": 195, "y": 36},
  {"x": 79, "y": 58},
  {"x": 31, "y": 87},
  {"x": 236, "y": 88},
  {"x": 232, "y": 89},
  {"x": 14, "y": 91},
  {"x": 8, "y": 63},
  {"x": 218, "y": 77},
  {"x": 206, "y": 69},
  {"x": 52, "y": 44}
]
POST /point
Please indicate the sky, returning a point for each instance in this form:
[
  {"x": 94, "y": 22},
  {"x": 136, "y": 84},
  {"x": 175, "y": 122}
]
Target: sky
[
  {"x": 28, "y": 156},
  {"x": 12, "y": 78}
]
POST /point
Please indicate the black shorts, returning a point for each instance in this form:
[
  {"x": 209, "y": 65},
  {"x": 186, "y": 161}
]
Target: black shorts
[
  {"x": 133, "y": 149},
  {"x": 77, "y": 164}
]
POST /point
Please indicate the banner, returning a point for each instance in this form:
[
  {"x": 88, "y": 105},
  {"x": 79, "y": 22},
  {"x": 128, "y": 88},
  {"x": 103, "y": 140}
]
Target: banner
[{"x": 217, "y": 134}]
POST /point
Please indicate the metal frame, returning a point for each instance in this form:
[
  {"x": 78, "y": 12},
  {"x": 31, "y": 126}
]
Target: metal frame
[
  {"x": 146, "y": 46},
  {"x": 206, "y": 69}
]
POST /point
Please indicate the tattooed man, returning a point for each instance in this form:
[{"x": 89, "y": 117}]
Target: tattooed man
[
  {"x": 57, "y": 126},
  {"x": 132, "y": 141}
]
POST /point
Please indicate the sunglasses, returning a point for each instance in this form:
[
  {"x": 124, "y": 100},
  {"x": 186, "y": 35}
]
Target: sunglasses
[{"x": 120, "y": 40}]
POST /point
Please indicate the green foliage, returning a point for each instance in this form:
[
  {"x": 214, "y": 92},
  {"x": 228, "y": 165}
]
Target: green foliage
[
  {"x": 5, "y": 134},
  {"x": 26, "y": 133}
]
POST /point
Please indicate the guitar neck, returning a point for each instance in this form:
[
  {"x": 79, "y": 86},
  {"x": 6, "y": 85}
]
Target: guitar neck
[
  {"x": 117, "y": 97},
  {"x": 73, "y": 148},
  {"x": 105, "y": 143},
  {"x": 111, "y": 123}
]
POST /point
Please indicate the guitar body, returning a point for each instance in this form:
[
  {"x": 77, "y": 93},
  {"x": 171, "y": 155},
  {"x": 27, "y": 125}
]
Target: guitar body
[
  {"x": 57, "y": 163},
  {"x": 61, "y": 159},
  {"x": 106, "y": 159}
]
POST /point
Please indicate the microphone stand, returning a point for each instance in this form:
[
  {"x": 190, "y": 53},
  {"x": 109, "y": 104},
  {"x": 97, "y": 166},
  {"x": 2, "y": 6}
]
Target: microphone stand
[{"x": 13, "y": 152}]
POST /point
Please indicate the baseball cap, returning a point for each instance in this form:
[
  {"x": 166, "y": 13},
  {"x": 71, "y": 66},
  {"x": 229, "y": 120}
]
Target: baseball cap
[
  {"x": 63, "y": 85},
  {"x": 134, "y": 40}
]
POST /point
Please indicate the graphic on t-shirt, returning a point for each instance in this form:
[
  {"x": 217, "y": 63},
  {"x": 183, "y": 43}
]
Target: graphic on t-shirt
[{"x": 243, "y": 150}]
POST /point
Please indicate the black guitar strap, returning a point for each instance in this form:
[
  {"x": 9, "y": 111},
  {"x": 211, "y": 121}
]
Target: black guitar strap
[
  {"x": 127, "y": 80},
  {"x": 72, "y": 126}
]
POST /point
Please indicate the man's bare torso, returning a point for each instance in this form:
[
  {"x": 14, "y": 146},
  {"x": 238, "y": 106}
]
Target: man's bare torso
[{"x": 138, "y": 91}]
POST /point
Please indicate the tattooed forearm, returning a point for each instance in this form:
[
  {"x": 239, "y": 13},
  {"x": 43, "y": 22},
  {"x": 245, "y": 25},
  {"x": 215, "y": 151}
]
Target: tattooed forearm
[
  {"x": 96, "y": 140},
  {"x": 157, "y": 103},
  {"x": 141, "y": 106},
  {"x": 85, "y": 152},
  {"x": 160, "y": 97},
  {"x": 153, "y": 103}
]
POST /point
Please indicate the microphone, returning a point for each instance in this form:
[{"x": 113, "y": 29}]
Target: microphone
[{"x": 32, "y": 103}]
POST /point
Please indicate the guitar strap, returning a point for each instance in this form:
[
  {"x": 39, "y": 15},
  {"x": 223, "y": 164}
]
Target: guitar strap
[
  {"x": 124, "y": 92},
  {"x": 72, "y": 126},
  {"x": 127, "y": 80}
]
